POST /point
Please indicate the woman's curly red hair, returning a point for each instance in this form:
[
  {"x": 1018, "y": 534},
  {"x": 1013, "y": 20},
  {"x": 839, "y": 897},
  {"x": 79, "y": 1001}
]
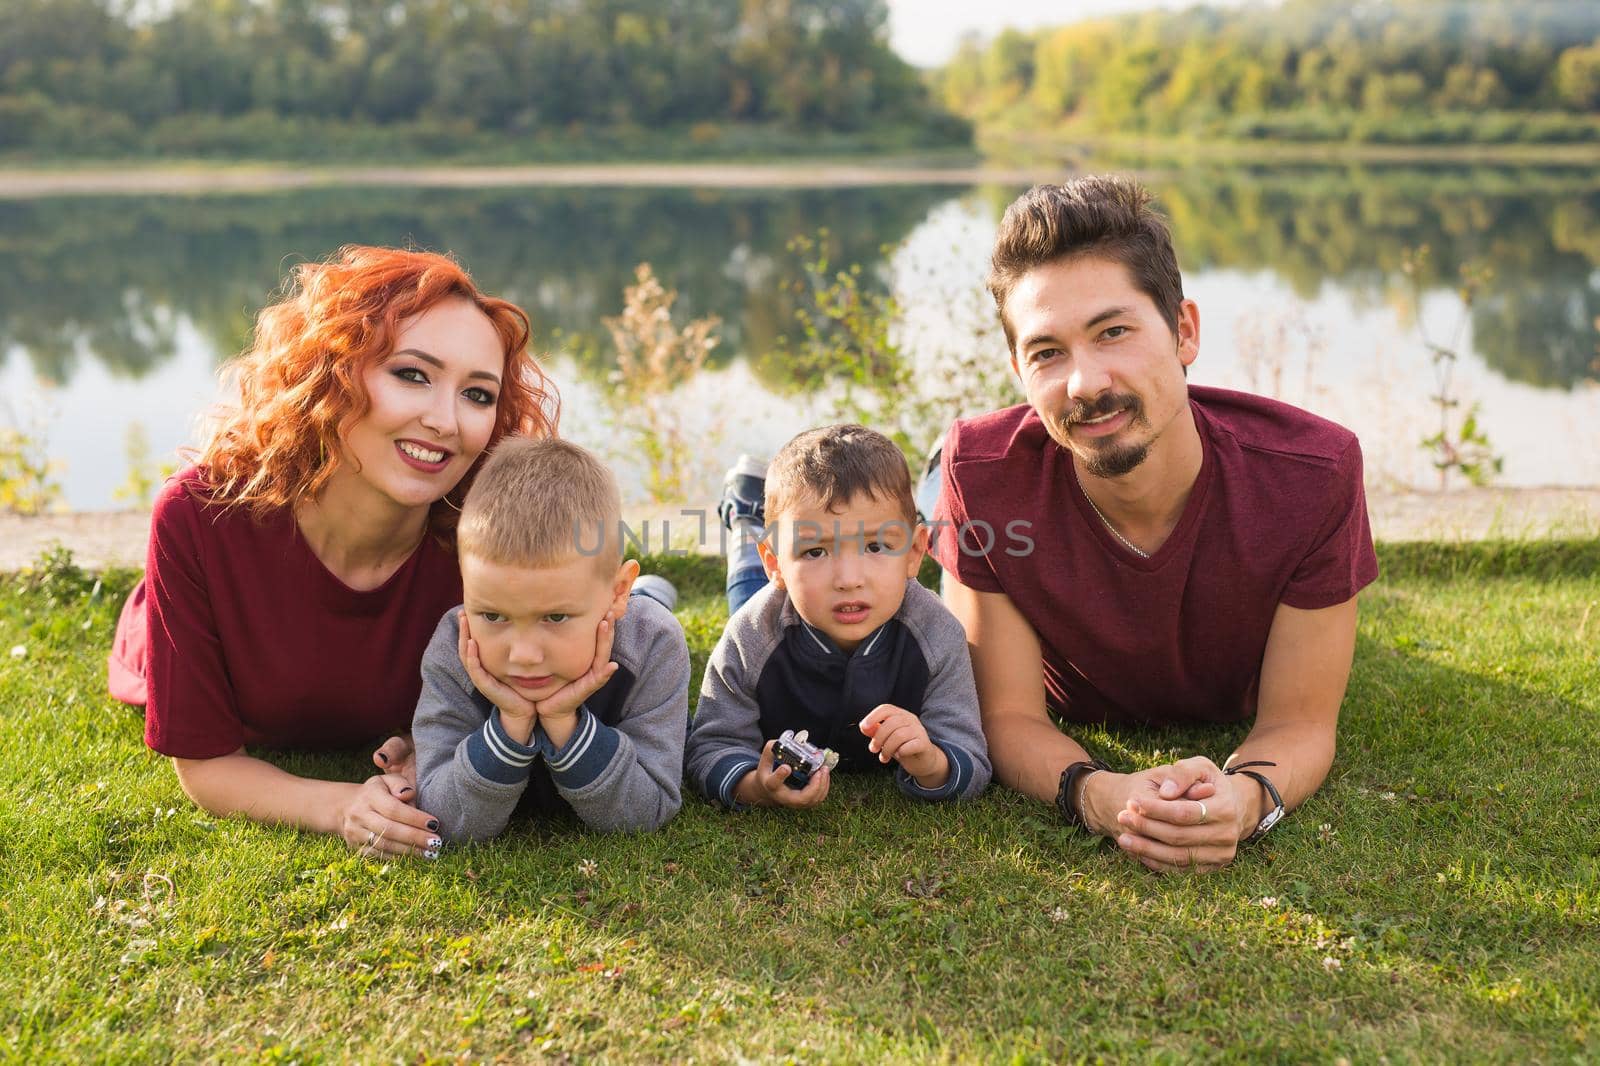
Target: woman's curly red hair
[{"x": 300, "y": 384}]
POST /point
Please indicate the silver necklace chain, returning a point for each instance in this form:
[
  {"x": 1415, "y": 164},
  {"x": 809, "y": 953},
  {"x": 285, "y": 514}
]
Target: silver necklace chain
[{"x": 1126, "y": 543}]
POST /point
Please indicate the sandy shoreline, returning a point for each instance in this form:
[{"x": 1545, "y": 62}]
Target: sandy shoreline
[
  {"x": 106, "y": 538},
  {"x": 31, "y": 183}
]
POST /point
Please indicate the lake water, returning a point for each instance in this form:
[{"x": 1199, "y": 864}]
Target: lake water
[{"x": 117, "y": 310}]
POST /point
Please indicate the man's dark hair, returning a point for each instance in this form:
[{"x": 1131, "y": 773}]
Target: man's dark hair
[{"x": 1098, "y": 214}]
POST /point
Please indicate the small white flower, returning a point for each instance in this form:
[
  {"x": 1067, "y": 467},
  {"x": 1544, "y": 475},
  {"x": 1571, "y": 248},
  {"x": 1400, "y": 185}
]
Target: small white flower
[
  {"x": 1268, "y": 902},
  {"x": 588, "y": 867},
  {"x": 1331, "y": 964},
  {"x": 1387, "y": 796},
  {"x": 1060, "y": 914},
  {"x": 19, "y": 651}
]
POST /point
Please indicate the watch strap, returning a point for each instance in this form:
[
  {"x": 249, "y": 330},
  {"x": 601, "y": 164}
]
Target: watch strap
[
  {"x": 1070, "y": 811},
  {"x": 1272, "y": 817}
]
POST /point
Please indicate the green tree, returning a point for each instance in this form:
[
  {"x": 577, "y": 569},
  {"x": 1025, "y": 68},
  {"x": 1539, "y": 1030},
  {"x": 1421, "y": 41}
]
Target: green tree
[{"x": 1578, "y": 77}]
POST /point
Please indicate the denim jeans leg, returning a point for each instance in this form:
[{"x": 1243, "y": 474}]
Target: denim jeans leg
[{"x": 746, "y": 575}]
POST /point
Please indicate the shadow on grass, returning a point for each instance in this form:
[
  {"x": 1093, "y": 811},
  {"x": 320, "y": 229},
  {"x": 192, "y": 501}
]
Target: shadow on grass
[{"x": 1437, "y": 897}]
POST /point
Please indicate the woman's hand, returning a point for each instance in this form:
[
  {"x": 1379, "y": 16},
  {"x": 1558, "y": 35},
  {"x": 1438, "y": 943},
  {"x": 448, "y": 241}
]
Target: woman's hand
[
  {"x": 381, "y": 819},
  {"x": 398, "y": 755}
]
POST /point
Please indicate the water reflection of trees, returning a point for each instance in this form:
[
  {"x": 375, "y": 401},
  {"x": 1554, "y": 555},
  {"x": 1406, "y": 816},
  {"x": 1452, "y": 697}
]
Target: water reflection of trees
[
  {"x": 111, "y": 279},
  {"x": 1539, "y": 233}
]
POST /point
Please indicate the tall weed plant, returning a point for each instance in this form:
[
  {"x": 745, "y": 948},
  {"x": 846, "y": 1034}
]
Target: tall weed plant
[
  {"x": 28, "y": 484},
  {"x": 1460, "y": 443},
  {"x": 655, "y": 358},
  {"x": 852, "y": 329}
]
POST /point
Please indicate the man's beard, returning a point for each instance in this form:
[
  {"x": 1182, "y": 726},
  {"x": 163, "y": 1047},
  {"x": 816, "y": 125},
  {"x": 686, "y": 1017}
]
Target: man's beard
[{"x": 1108, "y": 460}]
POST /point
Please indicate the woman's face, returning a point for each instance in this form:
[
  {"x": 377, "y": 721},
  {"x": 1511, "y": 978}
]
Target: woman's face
[{"x": 433, "y": 404}]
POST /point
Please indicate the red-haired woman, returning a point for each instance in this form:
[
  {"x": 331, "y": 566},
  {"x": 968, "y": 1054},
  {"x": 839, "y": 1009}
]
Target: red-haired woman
[{"x": 297, "y": 570}]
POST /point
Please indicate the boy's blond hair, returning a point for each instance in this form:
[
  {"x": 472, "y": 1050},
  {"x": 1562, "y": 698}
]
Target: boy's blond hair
[
  {"x": 539, "y": 503},
  {"x": 832, "y": 465}
]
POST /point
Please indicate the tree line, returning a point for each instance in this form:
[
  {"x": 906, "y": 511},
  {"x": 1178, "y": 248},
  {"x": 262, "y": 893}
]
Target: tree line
[
  {"x": 95, "y": 76},
  {"x": 1402, "y": 70}
]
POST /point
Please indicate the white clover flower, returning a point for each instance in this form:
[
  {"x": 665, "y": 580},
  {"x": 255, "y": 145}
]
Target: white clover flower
[
  {"x": 1268, "y": 902},
  {"x": 588, "y": 867},
  {"x": 1331, "y": 964},
  {"x": 1060, "y": 914},
  {"x": 19, "y": 651}
]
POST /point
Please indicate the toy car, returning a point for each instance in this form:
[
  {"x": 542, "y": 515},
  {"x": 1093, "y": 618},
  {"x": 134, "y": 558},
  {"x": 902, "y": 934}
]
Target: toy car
[{"x": 803, "y": 758}]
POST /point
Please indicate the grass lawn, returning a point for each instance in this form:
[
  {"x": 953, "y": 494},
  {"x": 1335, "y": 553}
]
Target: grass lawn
[{"x": 1438, "y": 899}]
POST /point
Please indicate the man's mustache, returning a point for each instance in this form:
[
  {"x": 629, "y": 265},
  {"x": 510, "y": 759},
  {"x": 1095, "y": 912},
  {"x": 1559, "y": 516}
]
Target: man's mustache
[{"x": 1104, "y": 404}]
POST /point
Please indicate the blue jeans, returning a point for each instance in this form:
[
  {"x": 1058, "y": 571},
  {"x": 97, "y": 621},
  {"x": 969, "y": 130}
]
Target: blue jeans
[{"x": 746, "y": 575}]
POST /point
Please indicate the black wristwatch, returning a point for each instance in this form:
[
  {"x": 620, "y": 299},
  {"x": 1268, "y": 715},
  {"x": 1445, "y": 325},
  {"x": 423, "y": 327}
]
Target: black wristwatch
[
  {"x": 1272, "y": 817},
  {"x": 1073, "y": 812}
]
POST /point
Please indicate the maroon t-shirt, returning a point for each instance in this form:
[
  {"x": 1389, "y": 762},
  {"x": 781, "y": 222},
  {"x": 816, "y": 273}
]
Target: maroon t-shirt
[
  {"x": 242, "y": 637},
  {"x": 1278, "y": 514}
]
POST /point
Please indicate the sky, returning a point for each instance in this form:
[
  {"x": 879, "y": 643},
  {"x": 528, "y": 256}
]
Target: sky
[{"x": 925, "y": 32}]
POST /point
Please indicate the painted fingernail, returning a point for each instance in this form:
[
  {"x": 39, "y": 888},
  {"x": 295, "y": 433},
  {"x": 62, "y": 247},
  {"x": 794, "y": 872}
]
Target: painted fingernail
[
  {"x": 384, "y": 757},
  {"x": 430, "y": 854},
  {"x": 434, "y": 844},
  {"x": 433, "y": 825},
  {"x": 403, "y": 791}
]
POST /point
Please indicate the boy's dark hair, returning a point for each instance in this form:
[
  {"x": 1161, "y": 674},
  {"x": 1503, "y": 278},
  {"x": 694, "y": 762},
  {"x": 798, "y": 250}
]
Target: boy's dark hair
[
  {"x": 540, "y": 503},
  {"x": 1098, "y": 214},
  {"x": 836, "y": 463}
]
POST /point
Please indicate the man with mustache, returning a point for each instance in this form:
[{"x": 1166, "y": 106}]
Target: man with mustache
[{"x": 1126, "y": 548}]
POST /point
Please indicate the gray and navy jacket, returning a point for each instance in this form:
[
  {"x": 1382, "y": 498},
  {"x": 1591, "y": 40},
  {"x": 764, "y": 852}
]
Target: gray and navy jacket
[
  {"x": 771, "y": 671},
  {"x": 621, "y": 770}
]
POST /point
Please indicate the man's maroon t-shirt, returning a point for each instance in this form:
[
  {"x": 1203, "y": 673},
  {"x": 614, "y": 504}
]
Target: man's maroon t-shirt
[
  {"x": 1278, "y": 514},
  {"x": 242, "y": 637}
]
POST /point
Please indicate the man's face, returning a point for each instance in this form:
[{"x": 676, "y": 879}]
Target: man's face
[{"x": 1098, "y": 362}]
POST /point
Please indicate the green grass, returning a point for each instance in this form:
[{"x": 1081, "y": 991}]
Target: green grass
[{"x": 1438, "y": 899}]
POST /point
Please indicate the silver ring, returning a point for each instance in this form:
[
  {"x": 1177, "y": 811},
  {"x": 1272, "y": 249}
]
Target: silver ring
[
  {"x": 1205, "y": 815},
  {"x": 372, "y": 834}
]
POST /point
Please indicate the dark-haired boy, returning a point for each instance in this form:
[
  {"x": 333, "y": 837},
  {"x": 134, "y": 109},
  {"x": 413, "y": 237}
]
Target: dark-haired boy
[{"x": 843, "y": 643}]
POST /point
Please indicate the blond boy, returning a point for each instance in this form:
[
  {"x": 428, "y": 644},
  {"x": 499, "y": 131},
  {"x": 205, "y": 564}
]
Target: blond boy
[
  {"x": 549, "y": 688},
  {"x": 842, "y": 643}
]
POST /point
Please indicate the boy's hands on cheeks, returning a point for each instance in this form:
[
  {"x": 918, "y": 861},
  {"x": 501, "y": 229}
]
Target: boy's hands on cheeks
[
  {"x": 558, "y": 712},
  {"x": 517, "y": 713},
  {"x": 766, "y": 787},
  {"x": 899, "y": 735}
]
